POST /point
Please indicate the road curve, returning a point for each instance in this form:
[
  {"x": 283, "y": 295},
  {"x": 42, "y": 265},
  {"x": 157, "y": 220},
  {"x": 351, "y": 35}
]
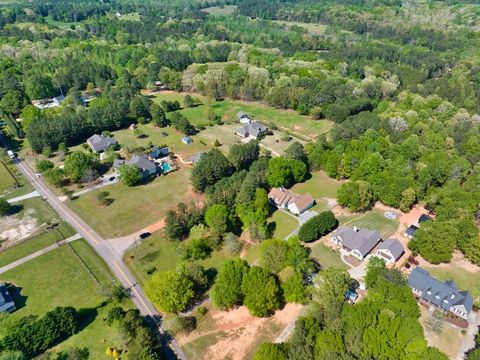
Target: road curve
[{"x": 105, "y": 251}]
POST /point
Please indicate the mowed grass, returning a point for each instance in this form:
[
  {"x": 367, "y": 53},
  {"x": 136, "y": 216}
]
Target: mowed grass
[
  {"x": 464, "y": 279},
  {"x": 35, "y": 243},
  {"x": 314, "y": 29},
  {"x": 133, "y": 208},
  {"x": 285, "y": 224},
  {"x": 320, "y": 185},
  {"x": 153, "y": 134},
  {"x": 327, "y": 257},
  {"x": 157, "y": 253},
  {"x": 59, "y": 278},
  {"x": 43, "y": 212},
  {"x": 224, "y": 10},
  {"x": 7, "y": 181},
  {"x": 373, "y": 220},
  {"x": 286, "y": 120}
]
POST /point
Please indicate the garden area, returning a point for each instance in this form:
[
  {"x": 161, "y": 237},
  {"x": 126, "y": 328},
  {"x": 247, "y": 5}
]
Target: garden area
[
  {"x": 133, "y": 208},
  {"x": 63, "y": 277}
]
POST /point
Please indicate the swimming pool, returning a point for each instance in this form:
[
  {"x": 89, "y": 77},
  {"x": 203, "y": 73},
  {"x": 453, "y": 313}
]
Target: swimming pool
[{"x": 166, "y": 167}]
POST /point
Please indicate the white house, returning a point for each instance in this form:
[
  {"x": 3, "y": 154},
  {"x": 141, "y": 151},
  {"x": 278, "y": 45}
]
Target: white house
[{"x": 287, "y": 200}]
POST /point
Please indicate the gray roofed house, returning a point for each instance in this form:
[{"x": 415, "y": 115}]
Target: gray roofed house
[
  {"x": 390, "y": 250},
  {"x": 195, "y": 157},
  {"x": 243, "y": 117},
  {"x": 6, "y": 302},
  {"x": 146, "y": 166},
  {"x": 410, "y": 231},
  {"x": 158, "y": 153},
  {"x": 253, "y": 129},
  {"x": 358, "y": 242},
  {"x": 444, "y": 295},
  {"x": 99, "y": 143}
]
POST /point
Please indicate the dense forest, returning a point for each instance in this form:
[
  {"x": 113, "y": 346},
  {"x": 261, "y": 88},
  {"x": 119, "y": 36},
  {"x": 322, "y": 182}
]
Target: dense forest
[{"x": 399, "y": 79}]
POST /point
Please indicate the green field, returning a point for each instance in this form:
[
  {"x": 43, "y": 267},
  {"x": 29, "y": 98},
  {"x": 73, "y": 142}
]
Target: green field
[
  {"x": 159, "y": 254},
  {"x": 464, "y": 279},
  {"x": 35, "y": 243},
  {"x": 7, "y": 181},
  {"x": 314, "y": 29},
  {"x": 221, "y": 10},
  {"x": 133, "y": 208},
  {"x": 327, "y": 257},
  {"x": 59, "y": 278},
  {"x": 286, "y": 120},
  {"x": 319, "y": 186},
  {"x": 285, "y": 224},
  {"x": 373, "y": 220}
]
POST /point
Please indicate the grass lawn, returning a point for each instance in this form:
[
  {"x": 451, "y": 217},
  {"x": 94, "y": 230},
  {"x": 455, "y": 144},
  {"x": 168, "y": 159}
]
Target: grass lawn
[
  {"x": 157, "y": 253},
  {"x": 285, "y": 120},
  {"x": 133, "y": 208},
  {"x": 221, "y": 10},
  {"x": 35, "y": 243},
  {"x": 7, "y": 181},
  {"x": 373, "y": 220},
  {"x": 19, "y": 191},
  {"x": 60, "y": 24},
  {"x": 285, "y": 224},
  {"x": 43, "y": 211},
  {"x": 464, "y": 279},
  {"x": 314, "y": 29},
  {"x": 130, "y": 17},
  {"x": 154, "y": 134},
  {"x": 59, "y": 278},
  {"x": 327, "y": 257},
  {"x": 319, "y": 186},
  {"x": 252, "y": 255}
]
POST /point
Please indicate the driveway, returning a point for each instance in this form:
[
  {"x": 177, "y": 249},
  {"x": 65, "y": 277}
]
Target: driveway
[
  {"x": 24, "y": 197},
  {"x": 469, "y": 339},
  {"x": 302, "y": 219},
  {"x": 105, "y": 181}
]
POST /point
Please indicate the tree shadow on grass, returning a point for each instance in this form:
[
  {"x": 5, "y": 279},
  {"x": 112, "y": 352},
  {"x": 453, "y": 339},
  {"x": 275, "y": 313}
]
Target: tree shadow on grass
[
  {"x": 85, "y": 317},
  {"x": 14, "y": 209}
]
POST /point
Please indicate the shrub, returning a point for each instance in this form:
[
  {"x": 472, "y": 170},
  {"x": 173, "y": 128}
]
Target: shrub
[
  {"x": 232, "y": 244},
  {"x": 44, "y": 165},
  {"x": 180, "y": 324},
  {"x": 317, "y": 226}
]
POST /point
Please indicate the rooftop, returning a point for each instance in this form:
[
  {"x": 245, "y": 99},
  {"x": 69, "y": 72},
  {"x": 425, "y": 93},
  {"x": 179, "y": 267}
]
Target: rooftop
[{"x": 362, "y": 240}]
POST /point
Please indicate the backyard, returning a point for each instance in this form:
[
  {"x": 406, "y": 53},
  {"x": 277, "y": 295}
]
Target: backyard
[
  {"x": 320, "y": 185},
  {"x": 327, "y": 257},
  {"x": 286, "y": 120},
  {"x": 134, "y": 208},
  {"x": 62, "y": 279},
  {"x": 373, "y": 220}
]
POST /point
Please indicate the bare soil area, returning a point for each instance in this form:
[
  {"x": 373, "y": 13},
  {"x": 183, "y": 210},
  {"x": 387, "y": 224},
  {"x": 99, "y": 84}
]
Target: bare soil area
[{"x": 15, "y": 228}]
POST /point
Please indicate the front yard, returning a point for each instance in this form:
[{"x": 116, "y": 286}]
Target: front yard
[
  {"x": 283, "y": 223},
  {"x": 136, "y": 207}
]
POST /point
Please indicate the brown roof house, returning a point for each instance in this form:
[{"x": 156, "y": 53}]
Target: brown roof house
[{"x": 287, "y": 200}]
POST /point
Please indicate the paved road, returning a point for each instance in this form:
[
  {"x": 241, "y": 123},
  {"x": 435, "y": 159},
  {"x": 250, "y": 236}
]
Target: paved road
[
  {"x": 38, "y": 253},
  {"x": 103, "y": 249}
]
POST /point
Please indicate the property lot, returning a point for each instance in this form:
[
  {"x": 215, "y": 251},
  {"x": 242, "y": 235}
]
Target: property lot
[
  {"x": 134, "y": 208},
  {"x": 285, "y": 120},
  {"x": 373, "y": 220},
  {"x": 224, "y": 10},
  {"x": 319, "y": 186},
  {"x": 62, "y": 279},
  {"x": 327, "y": 257},
  {"x": 7, "y": 181},
  {"x": 284, "y": 224}
]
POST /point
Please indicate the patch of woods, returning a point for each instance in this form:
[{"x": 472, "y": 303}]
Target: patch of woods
[{"x": 382, "y": 325}]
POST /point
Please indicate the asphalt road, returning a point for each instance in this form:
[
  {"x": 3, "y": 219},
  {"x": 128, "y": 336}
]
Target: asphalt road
[{"x": 104, "y": 249}]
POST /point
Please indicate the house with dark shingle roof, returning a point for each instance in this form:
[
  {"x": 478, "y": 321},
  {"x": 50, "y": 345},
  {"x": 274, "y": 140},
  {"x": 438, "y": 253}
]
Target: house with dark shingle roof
[
  {"x": 253, "y": 129},
  {"x": 158, "y": 153},
  {"x": 100, "y": 143},
  {"x": 146, "y": 166},
  {"x": 6, "y": 301},
  {"x": 444, "y": 295},
  {"x": 410, "y": 231},
  {"x": 390, "y": 250},
  {"x": 357, "y": 242}
]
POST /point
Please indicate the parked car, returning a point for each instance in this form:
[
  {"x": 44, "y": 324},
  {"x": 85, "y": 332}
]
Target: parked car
[
  {"x": 111, "y": 178},
  {"x": 144, "y": 235},
  {"x": 12, "y": 155}
]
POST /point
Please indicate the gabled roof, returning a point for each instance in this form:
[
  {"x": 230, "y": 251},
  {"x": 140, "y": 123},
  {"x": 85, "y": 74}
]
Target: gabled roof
[
  {"x": 142, "y": 162},
  {"x": 241, "y": 114},
  {"x": 443, "y": 294},
  {"x": 411, "y": 230},
  {"x": 363, "y": 240},
  {"x": 6, "y": 301},
  {"x": 100, "y": 143},
  {"x": 254, "y": 129},
  {"x": 303, "y": 201},
  {"x": 282, "y": 197},
  {"x": 394, "y": 246},
  {"x": 187, "y": 139},
  {"x": 424, "y": 218},
  {"x": 159, "y": 152}
]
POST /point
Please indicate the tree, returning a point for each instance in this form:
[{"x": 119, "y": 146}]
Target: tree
[
  {"x": 317, "y": 226},
  {"x": 182, "y": 124},
  {"x": 294, "y": 290},
  {"x": 254, "y": 216},
  {"x": 262, "y": 294},
  {"x": 55, "y": 176},
  {"x": 44, "y": 165},
  {"x": 5, "y": 207},
  {"x": 296, "y": 151},
  {"x": 170, "y": 291},
  {"x": 408, "y": 199},
  {"x": 331, "y": 286},
  {"x": 216, "y": 217},
  {"x": 129, "y": 175},
  {"x": 232, "y": 243},
  {"x": 12, "y": 102},
  {"x": 188, "y": 101},
  {"x": 227, "y": 292},
  {"x": 273, "y": 255},
  {"x": 243, "y": 155},
  {"x": 284, "y": 172},
  {"x": 158, "y": 115},
  {"x": 211, "y": 167},
  {"x": 39, "y": 87},
  {"x": 356, "y": 195},
  {"x": 269, "y": 351},
  {"x": 77, "y": 163}
]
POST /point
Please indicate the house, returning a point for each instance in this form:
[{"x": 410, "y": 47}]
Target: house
[
  {"x": 410, "y": 231},
  {"x": 142, "y": 163},
  {"x": 253, "y": 129},
  {"x": 100, "y": 143},
  {"x": 6, "y": 301},
  {"x": 357, "y": 242},
  {"x": 422, "y": 219},
  {"x": 243, "y": 118},
  {"x": 158, "y": 153},
  {"x": 193, "y": 159},
  {"x": 444, "y": 295},
  {"x": 49, "y": 103},
  {"x": 187, "y": 140},
  {"x": 390, "y": 250},
  {"x": 287, "y": 200}
]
